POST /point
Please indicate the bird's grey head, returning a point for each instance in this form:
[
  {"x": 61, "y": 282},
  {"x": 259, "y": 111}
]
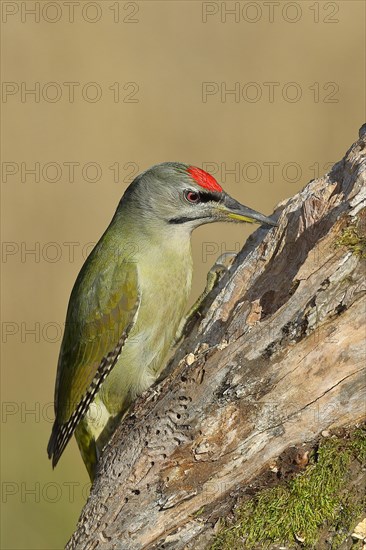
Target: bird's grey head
[{"x": 180, "y": 195}]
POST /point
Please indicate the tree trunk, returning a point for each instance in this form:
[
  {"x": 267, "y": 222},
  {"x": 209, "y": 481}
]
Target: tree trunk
[{"x": 276, "y": 358}]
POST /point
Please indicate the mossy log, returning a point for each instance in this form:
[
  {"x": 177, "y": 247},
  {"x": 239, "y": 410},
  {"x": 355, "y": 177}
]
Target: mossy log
[
  {"x": 276, "y": 358},
  {"x": 312, "y": 497}
]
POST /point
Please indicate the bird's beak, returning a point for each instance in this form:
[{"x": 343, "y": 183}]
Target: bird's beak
[{"x": 233, "y": 210}]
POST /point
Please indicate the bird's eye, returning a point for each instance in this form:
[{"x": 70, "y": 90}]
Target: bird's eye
[{"x": 192, "y": 196}]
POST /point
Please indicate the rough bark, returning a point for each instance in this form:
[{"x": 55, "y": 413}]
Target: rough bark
[{"x": 277, "y": 357}]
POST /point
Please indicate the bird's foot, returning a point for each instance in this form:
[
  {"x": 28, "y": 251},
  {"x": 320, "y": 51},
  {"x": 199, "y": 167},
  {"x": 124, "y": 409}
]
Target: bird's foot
[{"x": 220, "y": 267}]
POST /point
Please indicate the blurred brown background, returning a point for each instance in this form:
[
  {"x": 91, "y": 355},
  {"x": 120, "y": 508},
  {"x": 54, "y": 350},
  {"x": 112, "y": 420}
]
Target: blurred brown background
[{"x": 264, "y": 94}]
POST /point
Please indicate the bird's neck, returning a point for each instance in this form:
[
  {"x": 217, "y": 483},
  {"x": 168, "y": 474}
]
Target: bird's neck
[{"x": 153, "y": 233}]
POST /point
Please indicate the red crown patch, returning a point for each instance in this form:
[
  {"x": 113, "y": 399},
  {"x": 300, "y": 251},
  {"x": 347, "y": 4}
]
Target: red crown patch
[{"x": 204, "y": 179}]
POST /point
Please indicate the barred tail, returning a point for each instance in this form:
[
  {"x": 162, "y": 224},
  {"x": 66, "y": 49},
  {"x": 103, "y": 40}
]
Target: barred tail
[
  {"x": 61, "y": 433},
  {"x": 60, "y": 437}
]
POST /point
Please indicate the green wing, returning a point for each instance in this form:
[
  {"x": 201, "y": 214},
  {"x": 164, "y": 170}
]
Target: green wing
[{"x": 101, "y": 312}]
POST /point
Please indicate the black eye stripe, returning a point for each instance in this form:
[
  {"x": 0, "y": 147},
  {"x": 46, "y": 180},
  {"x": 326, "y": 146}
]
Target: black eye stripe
[{"x": 204, "y": 196}]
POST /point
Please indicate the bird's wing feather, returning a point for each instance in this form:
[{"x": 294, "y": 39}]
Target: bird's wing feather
[{"x": 101, "y": 313}]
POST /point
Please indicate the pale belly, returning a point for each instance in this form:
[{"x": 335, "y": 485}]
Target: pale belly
[{"x": 147, "y": 347}]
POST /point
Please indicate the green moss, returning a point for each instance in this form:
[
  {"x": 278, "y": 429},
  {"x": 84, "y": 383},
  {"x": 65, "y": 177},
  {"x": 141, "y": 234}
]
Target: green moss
[
  {"x": 297, "y": 511},
  {"x": 352, "y": 238},
  {"x": 358, "y": 444},
  {"x": 199, "y": 512}
]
